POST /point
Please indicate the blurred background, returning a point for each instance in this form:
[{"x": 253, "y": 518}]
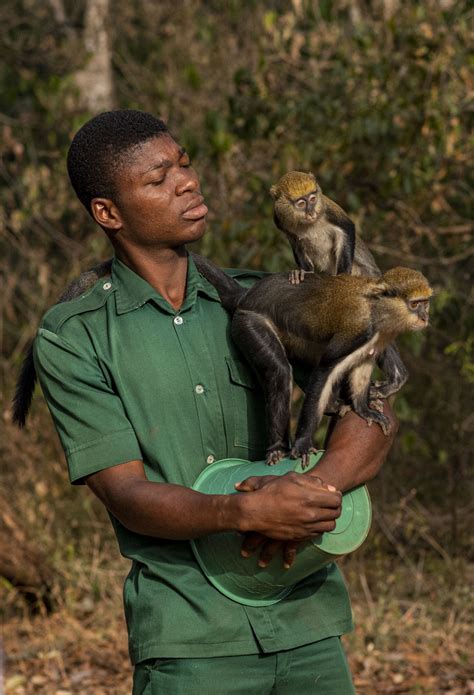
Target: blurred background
[{"x": 374, "y": 97}]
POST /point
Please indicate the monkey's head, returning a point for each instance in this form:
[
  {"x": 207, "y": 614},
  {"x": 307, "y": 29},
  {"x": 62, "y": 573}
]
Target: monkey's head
[
  {"x": 409, "y": 293},
  {"x": 297, "y": 196}
]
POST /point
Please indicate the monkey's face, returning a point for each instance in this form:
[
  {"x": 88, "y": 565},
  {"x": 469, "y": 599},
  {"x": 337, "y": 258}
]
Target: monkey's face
[
  {"x": 158, "y": 201},
  {"x": 297, "y": 197},
  {"x": 306, "y": 207},
  {"x": 412, "y": 293},
  {"x": 419, "y": 311}
]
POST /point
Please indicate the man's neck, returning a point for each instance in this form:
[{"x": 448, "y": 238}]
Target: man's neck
[{"x": 163, "y": 269}]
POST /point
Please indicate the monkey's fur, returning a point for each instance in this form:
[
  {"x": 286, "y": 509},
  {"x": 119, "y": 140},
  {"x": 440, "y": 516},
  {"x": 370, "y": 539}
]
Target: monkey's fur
[
  {"x": 25, "y": 385},
  {"x": 337, "y": 325},
  {"x": 323, "y": 238}
]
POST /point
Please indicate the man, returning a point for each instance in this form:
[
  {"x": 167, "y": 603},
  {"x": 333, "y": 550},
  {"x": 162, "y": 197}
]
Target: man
[{"x": 146, "y": 389}]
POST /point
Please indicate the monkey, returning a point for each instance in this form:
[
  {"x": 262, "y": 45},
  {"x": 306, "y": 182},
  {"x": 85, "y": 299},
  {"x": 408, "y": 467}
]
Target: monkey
[
  {"x": 324, "y": 238},
  {"x": 337, "y": 325},
  {"x": 26, "y": 382},
  {"x": 321, "y": 234}
]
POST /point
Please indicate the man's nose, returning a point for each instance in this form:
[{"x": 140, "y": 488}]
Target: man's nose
[{"x": 188, "y": 182}]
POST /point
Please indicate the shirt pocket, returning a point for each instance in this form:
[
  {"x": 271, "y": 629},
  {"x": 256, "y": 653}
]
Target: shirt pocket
[{"x": 248, "y": 407}]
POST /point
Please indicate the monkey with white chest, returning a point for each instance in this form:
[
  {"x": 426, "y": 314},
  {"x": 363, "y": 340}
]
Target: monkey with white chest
[
  {"x": 335, "y": 325},
  {"x": 323, "y": 239},
  {"x": 322, "y": 236}
]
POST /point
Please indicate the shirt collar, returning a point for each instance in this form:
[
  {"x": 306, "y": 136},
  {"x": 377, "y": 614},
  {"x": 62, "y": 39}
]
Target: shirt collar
[{"x": 132, "y": 291}]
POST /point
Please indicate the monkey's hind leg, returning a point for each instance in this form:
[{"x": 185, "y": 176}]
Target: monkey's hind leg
[
  {"x": 318, "y": 392},
  {"x": 395, "y": 372},
  {"x": 258, "y": 340},
  {"x": 338, "y": 359},
  {"x": 359, "y": 380}
]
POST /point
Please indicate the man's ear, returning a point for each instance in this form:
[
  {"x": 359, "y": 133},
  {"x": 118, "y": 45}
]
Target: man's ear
[{"x": 106, "y": 214}]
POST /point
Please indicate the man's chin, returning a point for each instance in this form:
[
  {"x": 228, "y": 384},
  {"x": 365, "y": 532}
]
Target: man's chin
[{"x": 196, "y": 230}]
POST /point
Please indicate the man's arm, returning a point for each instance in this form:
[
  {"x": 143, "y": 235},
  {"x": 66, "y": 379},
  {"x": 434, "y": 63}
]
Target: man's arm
[
  {"x": 355, "y": 451},
  {"x": 287, "y": 507},
  {"x": 354, "y": 455}
]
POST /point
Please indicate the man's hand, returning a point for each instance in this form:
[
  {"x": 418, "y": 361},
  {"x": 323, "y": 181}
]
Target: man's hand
[
  {"x": 308, "y": 510},
  {"x": 267, "y": 548},
  {"x": 354, "y": 455}
]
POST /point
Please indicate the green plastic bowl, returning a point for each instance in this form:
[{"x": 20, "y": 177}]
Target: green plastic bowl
[{"x": 241, "y": 579}]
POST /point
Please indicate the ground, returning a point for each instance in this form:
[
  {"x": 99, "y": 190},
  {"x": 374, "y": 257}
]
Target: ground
[{"x": 410, "y": 637}]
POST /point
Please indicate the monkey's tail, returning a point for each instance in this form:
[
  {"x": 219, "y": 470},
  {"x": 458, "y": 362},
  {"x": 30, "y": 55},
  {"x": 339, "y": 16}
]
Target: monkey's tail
[
  {"x": 24, "y": 388},
  {"x": 230, "y": 292},
  {"x": 26, "y": 382}
]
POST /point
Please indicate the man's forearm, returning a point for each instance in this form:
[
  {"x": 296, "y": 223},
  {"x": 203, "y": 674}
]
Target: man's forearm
[
  {"x": 284, "y": 507},
  {"x": 170, "y": 511},
  {"x": 355, "y": 452}
]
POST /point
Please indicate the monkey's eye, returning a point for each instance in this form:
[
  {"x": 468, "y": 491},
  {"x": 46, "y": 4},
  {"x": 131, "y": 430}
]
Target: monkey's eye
[
  {"x": 300, "y": 203},
  {"x": 312, "y": 198},
  {"x": 414, "y": 304}
]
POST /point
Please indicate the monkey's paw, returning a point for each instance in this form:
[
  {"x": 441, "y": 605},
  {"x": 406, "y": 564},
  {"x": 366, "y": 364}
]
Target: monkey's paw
[
  {"x": 380, "y": 419},
  {"x": 275, "y": 455},
  {"x": 376, "y": 404},
  {"x": 296, "y": 276},
  {"x": 383, "y": 389},
  {"x": 343, "y": 410},
  {"x": 303, "y": 452}
]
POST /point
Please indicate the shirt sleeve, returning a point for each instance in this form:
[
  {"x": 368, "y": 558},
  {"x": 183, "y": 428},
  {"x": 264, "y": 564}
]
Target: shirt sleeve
[{"x": 90, "y": 419}]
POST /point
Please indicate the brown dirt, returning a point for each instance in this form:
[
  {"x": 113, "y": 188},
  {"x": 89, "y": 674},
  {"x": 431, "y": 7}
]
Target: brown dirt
[{"x": 400, "y": 645}]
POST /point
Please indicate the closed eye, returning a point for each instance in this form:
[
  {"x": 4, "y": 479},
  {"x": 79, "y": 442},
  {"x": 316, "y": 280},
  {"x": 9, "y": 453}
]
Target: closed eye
[{"x": 300, "y": 203}]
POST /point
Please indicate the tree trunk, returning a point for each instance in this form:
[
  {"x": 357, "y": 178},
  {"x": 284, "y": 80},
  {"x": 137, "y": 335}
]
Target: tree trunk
[{"x": 95, "y": 81}]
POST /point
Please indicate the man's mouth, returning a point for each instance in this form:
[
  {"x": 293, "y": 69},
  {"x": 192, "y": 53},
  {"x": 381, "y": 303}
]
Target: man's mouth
[{"x": 196, "y": 209}]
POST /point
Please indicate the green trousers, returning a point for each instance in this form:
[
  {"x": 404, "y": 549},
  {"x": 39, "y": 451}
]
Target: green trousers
[{"x": 319, "y": 668}]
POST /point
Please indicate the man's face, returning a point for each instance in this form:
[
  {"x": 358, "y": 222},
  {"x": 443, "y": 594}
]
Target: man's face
[{"x": 158, "y": 197}]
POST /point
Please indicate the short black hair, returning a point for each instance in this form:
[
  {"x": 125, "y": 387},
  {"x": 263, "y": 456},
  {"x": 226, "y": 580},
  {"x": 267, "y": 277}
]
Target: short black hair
[{"x": 101, "y": 146}]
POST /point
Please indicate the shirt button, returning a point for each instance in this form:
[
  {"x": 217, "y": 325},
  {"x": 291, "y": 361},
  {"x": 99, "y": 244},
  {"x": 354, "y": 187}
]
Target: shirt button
[
  {"x": 210, "y": 459},
  {"x": 106, "y": 285},
  {"x": 199, "y": 388},
  {"x": 178, "y": 320}
]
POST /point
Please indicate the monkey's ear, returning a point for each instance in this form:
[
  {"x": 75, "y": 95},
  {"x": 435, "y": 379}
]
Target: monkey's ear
[
  {"x": 274, "y": 192},
  {"x": 381, "y": 288}
]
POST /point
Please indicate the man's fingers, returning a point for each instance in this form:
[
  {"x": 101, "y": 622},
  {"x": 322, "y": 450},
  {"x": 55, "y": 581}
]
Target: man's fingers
[
  {"x": 247, "y": 485},
  {"x": 254, "y": 482},
  {"x": 322, "y": 526},
  {"x": 251, "y": 542},
  {"x": 268, "y": 552},
  {"x": 328, "y": 499},
  {"x": 290, "y": 548}
]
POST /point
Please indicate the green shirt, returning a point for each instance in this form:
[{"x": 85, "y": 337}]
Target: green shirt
[{"x": 127, "y": 377}]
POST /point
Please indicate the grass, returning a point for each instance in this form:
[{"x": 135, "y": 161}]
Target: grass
[{"x": 413, "y": 633}]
